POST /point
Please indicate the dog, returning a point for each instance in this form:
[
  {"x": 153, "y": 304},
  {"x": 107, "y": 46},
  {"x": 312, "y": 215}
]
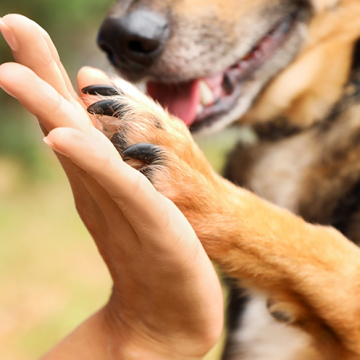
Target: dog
[{"x": 290, "y": 69}]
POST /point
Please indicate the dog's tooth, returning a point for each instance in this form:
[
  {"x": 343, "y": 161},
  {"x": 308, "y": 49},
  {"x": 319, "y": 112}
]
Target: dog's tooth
[
  {"x": 199, "y": 109},
  {"x": 244, "y": 64},
  {"x": 257, "y": 54},
  {"x": 206, "y": 93}
]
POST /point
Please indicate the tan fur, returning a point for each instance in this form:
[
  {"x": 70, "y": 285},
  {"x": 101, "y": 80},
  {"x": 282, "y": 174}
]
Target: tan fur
[
  {"x": 310, "y": 272},
  {"x": 307, "y": 89},
  {"x": 251, "y": 239}
]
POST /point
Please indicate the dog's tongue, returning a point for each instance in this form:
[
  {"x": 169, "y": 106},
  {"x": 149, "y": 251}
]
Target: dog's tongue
[{"x": 181, "y": 100}]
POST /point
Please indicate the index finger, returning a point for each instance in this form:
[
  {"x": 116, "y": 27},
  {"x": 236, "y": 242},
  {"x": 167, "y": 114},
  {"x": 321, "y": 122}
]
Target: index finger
[
  {"x": 41, "y": 99},
  {"x": 33, "y": 48},
  {"x": 91, "y": 76}
]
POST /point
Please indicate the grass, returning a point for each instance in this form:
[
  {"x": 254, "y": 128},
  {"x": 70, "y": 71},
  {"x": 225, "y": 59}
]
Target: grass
[{"x": 51, "y": 275}]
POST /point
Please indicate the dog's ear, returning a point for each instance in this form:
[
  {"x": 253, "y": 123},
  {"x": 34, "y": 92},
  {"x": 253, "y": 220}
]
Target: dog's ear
[{"x": 323, "y": 5}]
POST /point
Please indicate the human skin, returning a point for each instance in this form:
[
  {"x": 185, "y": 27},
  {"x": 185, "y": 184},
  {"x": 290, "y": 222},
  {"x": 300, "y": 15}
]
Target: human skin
[{"x": 166, "y": 301}]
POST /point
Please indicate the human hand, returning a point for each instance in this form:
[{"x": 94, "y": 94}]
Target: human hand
[{"x": 167, "y": 298}]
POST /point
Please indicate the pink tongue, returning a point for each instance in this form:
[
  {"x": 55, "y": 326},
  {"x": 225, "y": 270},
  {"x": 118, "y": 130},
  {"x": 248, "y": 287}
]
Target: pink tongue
[{"x": 181, "y": 100}]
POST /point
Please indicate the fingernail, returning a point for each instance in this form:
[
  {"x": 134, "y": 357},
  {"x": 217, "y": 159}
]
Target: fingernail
[
  {"x": 9, "y": 36},
  {"x": 53, "y": 146},
  {"x": 8, "y": 91},
  {"x": 48, "y": 142}
]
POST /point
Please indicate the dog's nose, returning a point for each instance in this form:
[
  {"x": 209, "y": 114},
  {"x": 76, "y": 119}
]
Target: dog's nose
[{"x": 135, "y": 39}]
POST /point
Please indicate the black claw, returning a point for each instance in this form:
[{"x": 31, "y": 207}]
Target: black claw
[
  {"x": 104, "y": 107},
  {"x": 104, "y": 90},
  {"x": 143, "y": 152}
]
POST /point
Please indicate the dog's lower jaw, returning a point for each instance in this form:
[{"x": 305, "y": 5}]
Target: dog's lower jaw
[{"x": 252, "y": 86}]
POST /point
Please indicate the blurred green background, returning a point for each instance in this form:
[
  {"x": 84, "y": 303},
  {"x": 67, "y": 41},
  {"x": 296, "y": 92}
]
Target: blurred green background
[{"x": 51, "y": 276}]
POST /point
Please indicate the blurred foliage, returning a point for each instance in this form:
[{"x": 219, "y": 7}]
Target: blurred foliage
[
  {"x": 67, "y": 21},
  {"x": 72, "y": 24}
]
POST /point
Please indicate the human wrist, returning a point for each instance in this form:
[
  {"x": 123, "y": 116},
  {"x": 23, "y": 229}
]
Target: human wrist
[{"x": 129, "y": 342}]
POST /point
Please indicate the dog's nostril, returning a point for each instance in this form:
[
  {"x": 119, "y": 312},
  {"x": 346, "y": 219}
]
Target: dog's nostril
[
  {"x": 135, "y": 39},
  {"x": 143, "y": 47}
]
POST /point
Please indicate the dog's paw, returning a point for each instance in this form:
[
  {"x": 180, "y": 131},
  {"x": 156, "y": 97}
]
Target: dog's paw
[{"x": 157, "y": 144}]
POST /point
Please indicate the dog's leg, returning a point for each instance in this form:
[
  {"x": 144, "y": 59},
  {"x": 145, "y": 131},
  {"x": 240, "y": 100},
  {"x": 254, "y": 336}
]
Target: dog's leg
[
  {"x": 300, "y": 266},
  {"x": 315, "y": 174}
]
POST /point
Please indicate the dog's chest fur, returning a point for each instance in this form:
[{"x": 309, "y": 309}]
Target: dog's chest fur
[
  {"x": 258, "y": 336},
  {"x": 315, "y": 174}
]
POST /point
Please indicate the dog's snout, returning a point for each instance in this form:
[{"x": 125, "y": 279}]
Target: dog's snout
[{"x": 135, "y": 39}]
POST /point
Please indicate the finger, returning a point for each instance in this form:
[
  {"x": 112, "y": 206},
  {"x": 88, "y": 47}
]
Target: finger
[
  {"x": 147, "y": 210},
  {"x": 41, "y": 99},
  {"x": 88, "y": 76},
  {"x": 53, "y": 111},
  {"x": 88, "y": 82},
  {"x": 108, "y": 212},
  {"x": 32, "y": 50},
  {"x": 56, "y": 57}
]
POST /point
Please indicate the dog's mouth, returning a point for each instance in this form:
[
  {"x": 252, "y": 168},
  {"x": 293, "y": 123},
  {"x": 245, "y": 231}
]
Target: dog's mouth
[{"x": 202, "y": 101}]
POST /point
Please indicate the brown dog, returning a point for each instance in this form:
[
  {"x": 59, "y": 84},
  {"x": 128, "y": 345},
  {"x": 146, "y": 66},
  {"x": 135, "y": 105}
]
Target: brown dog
[{"x": 290, "y": 68}]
